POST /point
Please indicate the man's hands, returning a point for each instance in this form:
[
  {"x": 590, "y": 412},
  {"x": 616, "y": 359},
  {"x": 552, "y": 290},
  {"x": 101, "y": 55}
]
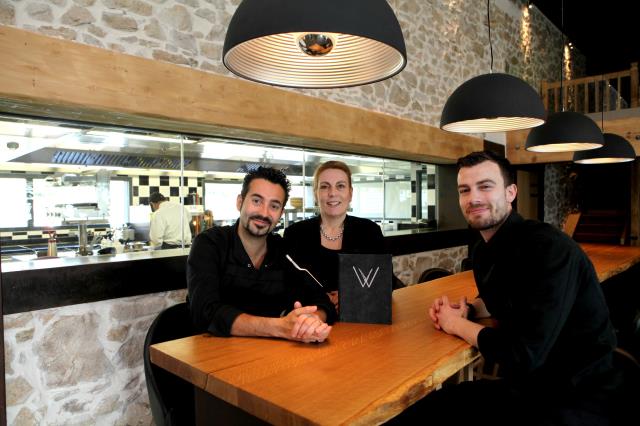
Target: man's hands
[
  {"x": 303, "y": 324},
  {"x": 444, "y": 314}
]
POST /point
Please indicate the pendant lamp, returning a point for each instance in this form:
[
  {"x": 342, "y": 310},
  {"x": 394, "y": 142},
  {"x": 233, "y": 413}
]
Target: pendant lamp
[
  {"x": 308, "y": 44},
  {"x": 616, "y": 149},
  {"x": 565, "y": 130},
  {"x": 492, "y": 102}
]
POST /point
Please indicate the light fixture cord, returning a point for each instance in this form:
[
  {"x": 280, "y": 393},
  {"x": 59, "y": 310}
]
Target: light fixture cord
[
  {"x": 561, "y": 53},
  {"x": 489, "y": 26},
  {"x": 602, "y": 104}
]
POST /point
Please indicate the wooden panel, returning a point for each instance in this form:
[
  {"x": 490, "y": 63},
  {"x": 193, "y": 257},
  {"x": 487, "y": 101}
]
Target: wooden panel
[{"x": 57, "y": 78}]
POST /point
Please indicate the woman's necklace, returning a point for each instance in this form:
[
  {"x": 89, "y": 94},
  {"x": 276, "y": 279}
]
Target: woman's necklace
[{"x": 330, "y": 238}]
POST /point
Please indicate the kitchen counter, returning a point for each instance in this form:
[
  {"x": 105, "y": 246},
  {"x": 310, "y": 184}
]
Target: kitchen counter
[{"x": 41, "y": 283}]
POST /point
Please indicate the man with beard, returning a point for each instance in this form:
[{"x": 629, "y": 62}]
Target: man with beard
[
  {"x": 239, "y": 281},
  {"x": 553, "y": 340}
]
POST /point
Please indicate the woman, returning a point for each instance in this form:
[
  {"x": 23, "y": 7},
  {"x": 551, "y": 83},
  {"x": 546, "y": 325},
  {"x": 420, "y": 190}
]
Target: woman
[{"x": 315, "y": 243}]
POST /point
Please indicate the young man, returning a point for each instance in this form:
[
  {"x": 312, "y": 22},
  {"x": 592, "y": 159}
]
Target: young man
[
  {"x": 239, "y": 282},
  {"x": 554, "y": 340},
  {"x": 169, "y": 223}
]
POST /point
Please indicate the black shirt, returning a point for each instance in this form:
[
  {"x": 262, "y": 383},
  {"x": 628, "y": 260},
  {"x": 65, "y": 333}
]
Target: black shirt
[
  {"x": 223, "y": 283},
  {"x": 302, "y": 240},
  {"x": 554, "y": 329}
]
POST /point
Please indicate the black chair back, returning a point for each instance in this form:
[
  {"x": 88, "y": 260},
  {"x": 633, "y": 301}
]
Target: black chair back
[
  {"x": 171, "y": 398},
  {"x": 432, "y": 274}
]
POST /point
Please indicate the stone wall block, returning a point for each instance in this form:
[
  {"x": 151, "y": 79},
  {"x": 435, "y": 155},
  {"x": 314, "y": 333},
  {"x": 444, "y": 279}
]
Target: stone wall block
[
  {"x": 161, "y": 55},
  {"x": 153, "y": 29},
  {"x": 118, "y": 334},
  {"x": 26, "y": 417},
  {"x": 185, "y": 41},
  {"x": 211, "y": 51},
  {"x": 40, "y": 12},
  {"x": 61, "y": 3},
  {"x": 84, "y": 3},
  {"x": 177, "y": 17},
  {"x": 70, "y": 351},
  {"x": 138, "y": 307},
  {"x": 130, "y": 353},
  {"x": 25, "y": 335},
  {"x": 60, "y": 32},
  {"x": 206, "y": 14},
  {"x": 8, "y": 358},
  {"x": 7, "y": 13},
  {"x": 96, "y": 31},
  {"x": 17, "y": 320},
  {"x": 91, "y": 40},
  {"x": 134, "y": 6},
  {"x": 77, "y": 15},
  {"x": 190, "y": 3},
  {"x": 18, "y": 390},
  {"x": 119, "y": 21}
]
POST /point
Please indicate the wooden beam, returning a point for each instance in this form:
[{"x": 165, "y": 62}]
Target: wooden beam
[{"x": 50, "y": 77}]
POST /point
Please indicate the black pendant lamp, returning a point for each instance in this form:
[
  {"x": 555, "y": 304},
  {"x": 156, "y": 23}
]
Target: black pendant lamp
[
  {"x": 565, "y": 130},
  {"x": 616, "y": 149},
  {"x": 308, "y": 44},
  {"x": 492, "y": 102}
]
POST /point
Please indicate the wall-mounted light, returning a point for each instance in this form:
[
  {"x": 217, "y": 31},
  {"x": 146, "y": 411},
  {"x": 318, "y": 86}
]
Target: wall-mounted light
[{"x": 308, "y": 44}]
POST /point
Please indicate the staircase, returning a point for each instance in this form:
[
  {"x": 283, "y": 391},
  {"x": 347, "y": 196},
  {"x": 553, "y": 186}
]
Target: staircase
[{"x": 602, "y": 226}]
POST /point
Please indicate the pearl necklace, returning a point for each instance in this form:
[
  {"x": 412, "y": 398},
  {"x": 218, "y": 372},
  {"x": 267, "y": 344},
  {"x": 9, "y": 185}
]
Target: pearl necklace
[{"x": 330, "y": 238}]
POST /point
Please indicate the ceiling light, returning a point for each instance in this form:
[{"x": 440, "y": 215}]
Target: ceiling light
[
  {"x": 492, "y": 103},
  {"x": 616, "y": 149},
  {"x": 565, "y": 131},
  {"x": 306, "y": 44}
]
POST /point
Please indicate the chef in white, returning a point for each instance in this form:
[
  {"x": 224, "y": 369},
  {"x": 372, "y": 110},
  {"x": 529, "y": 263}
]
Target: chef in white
[{"x": 169, "y": 223}]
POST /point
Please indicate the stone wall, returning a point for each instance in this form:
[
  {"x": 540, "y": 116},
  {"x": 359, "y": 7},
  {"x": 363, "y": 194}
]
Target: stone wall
[
  {"x": 81, "y": 364},
  {"x": 558, "y": 197},
  {"x": 409, "y": 267},
  {"x": 447, "y": 42}
]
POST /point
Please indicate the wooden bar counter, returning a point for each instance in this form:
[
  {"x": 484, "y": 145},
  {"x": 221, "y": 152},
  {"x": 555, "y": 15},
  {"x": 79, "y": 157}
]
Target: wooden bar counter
[{"x": 363, "y": 374}]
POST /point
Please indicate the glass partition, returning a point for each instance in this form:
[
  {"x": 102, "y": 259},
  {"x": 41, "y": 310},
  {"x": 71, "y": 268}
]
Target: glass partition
[{"x": 55, "y": 175}]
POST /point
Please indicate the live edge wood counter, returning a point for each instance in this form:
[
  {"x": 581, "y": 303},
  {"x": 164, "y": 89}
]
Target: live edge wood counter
[{"x": 363, "y": 374}]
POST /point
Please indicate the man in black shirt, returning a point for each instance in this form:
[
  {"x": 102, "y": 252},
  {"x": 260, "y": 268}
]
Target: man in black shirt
[
  {"x": 238, "y": 279},
  {"x": 553, "y": 340}
]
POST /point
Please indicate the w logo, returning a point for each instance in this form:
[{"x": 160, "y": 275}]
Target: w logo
[{"x": 364, "y": 279}]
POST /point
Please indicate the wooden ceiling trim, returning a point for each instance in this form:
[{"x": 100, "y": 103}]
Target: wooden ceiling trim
[{"x": 56, "y": 78}]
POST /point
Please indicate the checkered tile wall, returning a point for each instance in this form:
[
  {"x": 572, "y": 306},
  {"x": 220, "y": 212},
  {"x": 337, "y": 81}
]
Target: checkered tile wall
[{"x": 169, "y": 186}]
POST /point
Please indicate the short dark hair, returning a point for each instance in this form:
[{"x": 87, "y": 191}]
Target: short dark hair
[
  {"x": 267, "y": 173},
  {"x": 478, "y": 157},
  {"x": 156, "y": 197}
]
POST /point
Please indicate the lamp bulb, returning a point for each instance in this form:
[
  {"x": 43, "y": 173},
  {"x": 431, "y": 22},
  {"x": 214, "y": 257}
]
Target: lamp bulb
[{"x": 315, "y": 44}]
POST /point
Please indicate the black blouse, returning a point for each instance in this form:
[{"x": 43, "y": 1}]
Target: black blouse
[{"x": 302, "y": 242}]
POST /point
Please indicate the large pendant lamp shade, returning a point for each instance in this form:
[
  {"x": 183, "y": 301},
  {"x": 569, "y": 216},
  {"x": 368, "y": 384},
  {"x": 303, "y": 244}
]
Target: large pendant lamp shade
[
  {"x": 616, "y": 149},
  {"x": 565, "y": 131},
  {"x": 309, "y": 44},
  {"x": 493, "y": 102}
]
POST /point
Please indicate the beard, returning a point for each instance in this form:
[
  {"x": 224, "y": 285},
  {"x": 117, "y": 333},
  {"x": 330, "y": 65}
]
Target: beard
[
  {"x": 495, "y": 219},
  {"x": 258, "y": 231}
]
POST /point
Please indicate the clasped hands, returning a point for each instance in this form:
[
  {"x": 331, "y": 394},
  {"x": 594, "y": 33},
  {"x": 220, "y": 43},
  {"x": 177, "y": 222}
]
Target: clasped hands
[
  {"x": 305, "y": 325},
  {"x": 444, "y": 313}
]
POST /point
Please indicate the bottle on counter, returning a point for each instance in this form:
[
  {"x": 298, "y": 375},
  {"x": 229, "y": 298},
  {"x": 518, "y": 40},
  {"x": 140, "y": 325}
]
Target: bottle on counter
[{"x": 52, "y": 245}]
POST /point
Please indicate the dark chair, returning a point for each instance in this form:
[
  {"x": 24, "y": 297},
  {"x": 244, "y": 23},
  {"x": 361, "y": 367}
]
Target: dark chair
[
  {"x": 629, "y": 392},
  {"x": 171, "y": 398},
  {"x": 432, "y": 274},
  {"x": 466, "y": 264}
]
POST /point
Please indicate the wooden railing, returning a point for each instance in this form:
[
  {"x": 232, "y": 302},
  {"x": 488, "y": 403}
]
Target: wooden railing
[{"x": 606, "y": 92}]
